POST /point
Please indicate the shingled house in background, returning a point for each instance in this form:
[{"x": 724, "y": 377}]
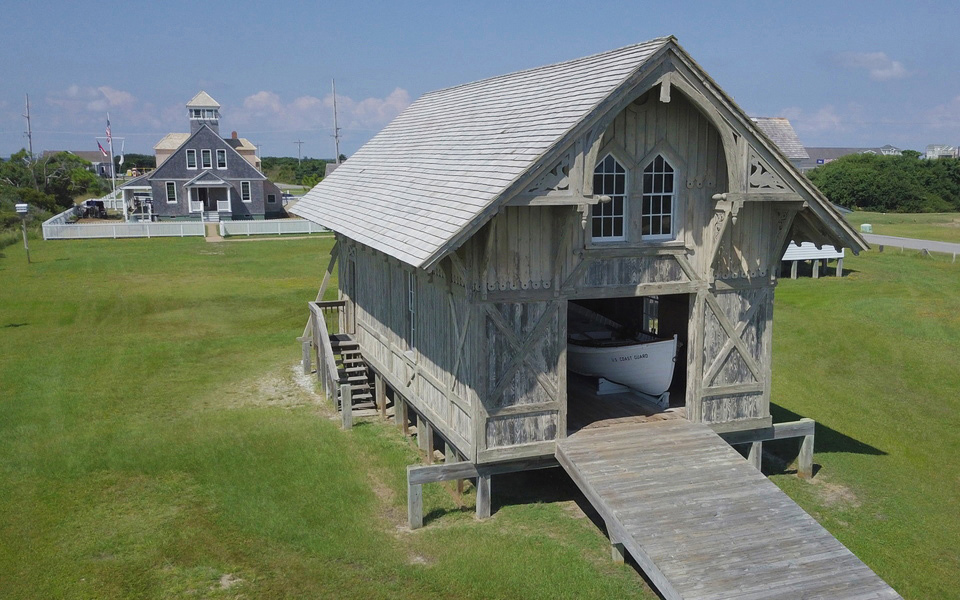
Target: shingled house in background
[{"x": 201, "y": 175}]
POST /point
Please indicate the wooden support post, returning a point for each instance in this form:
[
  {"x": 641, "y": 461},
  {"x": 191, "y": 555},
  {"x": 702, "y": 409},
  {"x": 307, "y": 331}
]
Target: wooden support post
[
  {"x": 618, "y": 552},
  {"x": 380, "y": 390},
  {"x": 346, "y": 405},
  {"x": 805, "y": 460},
  {"x": 425, "y": 438},
  {"x": 793, "y": 270},
  {"x": 414, "y": 504},
  {"x": 483, "y": 496},
  {"x": 816, "y": 268},
  {"x": 400, "y": 414},
  {"x": 450, "y": 456},
  {"x": 306, "y": 360},
  {"x": 840, "y": 267},
  {"x": 756, "y": 452}
]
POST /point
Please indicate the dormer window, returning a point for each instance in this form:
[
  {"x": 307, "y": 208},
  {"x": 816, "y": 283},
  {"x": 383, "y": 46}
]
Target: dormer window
[
  {"x": 608, "y": 217},
  {"x": 659, "y": 199}
]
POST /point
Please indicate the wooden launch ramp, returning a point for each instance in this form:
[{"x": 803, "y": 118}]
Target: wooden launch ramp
[{"x": 704, "y": 524}]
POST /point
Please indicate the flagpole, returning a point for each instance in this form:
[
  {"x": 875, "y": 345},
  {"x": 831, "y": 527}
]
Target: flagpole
[{"x": 113, "y": 168}]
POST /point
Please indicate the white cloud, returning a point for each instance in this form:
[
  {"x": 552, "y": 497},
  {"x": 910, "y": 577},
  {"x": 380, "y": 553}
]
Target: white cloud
[
  {"x": 86, "y": 106},
  {"x": 824, "y": 120},
  {"x": 945, "y": 115},
  {"x": 268, "y": 109},
  {"x": 877, "y": 64}
]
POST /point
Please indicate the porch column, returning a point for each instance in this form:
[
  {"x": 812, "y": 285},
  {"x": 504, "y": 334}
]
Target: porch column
[{"x": 230, "y": 197}]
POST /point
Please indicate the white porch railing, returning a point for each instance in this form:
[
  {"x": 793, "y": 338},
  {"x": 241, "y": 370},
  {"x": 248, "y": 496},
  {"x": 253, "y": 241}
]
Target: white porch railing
[
  {"x": 196, "y": 206},
  {"x": 223, "y": 206},
  {"x": 270, "y": 227}
]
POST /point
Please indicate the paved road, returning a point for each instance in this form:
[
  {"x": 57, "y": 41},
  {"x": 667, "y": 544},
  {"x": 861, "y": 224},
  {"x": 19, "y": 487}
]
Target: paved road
[{"x": 911, "y": 243}]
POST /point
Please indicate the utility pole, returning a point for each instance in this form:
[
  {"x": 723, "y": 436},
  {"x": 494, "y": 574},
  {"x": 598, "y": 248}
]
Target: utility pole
[
  {"x": 299, "y": 145},
  {"x": 29, "y": 130},
  {"x": 336, "y": 126}
]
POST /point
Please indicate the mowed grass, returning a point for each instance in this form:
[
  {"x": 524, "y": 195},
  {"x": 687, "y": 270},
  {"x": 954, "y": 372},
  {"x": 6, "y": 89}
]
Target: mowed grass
[
  {"x": 874, "y": 358},
  {"x": 941, "y": 227},
  {"x": 155, "y": 442}
]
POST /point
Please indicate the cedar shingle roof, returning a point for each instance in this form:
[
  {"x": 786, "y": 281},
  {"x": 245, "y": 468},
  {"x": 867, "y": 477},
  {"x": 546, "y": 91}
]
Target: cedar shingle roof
[
  {"x": 423, "y": 180},
  {"x": 781, "y": 133},
  {"x": 203, "y": 100}
]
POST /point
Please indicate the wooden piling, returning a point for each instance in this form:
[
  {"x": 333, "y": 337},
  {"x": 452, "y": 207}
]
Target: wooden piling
[
  {"x": 755, "y": 457},
  {"x": 805, "y": 460},
  {"x": 346, "y": 406},
  {"x": 483, "y": 496}
]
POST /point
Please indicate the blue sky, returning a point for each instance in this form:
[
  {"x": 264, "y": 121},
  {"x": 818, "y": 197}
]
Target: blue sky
[{"x": 845, "y": 73}]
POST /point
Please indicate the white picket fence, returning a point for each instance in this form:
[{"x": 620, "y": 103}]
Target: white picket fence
[
  {"x": 83, "y": 231},
  {"x": 270, "y": 227}
]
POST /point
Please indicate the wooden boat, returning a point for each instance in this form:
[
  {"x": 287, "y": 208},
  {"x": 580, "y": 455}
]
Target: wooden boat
[{"x": 600, "y": 347}]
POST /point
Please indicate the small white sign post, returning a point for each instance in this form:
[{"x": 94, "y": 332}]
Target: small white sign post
[{"x": 22, "y": 211}]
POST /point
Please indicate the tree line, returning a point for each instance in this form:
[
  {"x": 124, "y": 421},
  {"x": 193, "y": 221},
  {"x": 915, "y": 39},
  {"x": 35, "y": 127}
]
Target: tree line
[
  {"x": 49, "y": 184},
  {"x": 283, "y": 169},
  {"x": 881, "y": 183}
]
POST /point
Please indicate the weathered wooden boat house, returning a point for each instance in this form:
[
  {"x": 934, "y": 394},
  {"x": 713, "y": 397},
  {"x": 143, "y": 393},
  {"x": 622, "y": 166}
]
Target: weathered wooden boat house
[{"x": 627, "y": 182}]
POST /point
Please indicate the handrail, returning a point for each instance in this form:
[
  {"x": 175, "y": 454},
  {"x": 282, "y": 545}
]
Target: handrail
[{"x": 327, "y": 366}]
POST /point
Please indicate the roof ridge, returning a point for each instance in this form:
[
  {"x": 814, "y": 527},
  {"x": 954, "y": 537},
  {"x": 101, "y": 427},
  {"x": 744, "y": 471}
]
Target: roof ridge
[{"x": 661, "y": 40}]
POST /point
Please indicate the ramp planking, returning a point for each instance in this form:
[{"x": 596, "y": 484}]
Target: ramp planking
[{"x": 702, "y": 523}]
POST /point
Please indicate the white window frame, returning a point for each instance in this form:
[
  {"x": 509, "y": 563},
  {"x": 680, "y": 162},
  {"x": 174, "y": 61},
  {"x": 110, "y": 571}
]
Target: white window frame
[
  {"x": 655, "y": 196},
  {"x": 624, "y": 202},
  {"x": 196, "y": 114},
  {"x": 209, "y": 114},
  {"x": 168, "y": 188},
  {"x": 193, "y": 153},
  {"x": 246, "y": 197},
  {"x": 221, "y": 152},
  {"x": 206, "y": 159}
]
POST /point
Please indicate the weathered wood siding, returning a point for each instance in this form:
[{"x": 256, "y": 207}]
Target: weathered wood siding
[
  {"x": 525, "y": 375},
  {"x": 428, "y": 373}
]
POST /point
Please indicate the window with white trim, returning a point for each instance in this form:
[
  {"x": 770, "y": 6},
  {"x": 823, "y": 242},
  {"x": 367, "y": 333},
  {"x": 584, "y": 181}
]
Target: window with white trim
[
  {"x": 245, "y": 191},
  {"x": 608, "y": 218},
  {"x": 191, "y": 159},
  {"x": 196, "y": 113},
  {"x": 206, "y": 159},
  {"x": 171, "y": 192},
  {"x": 221, "y": 159},
  {"x": 659, "y": 199}
]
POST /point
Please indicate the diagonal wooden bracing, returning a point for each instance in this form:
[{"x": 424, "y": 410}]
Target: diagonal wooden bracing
[
  {"x": 735, "y": 340},
  {"x": 522, "y": 348}
]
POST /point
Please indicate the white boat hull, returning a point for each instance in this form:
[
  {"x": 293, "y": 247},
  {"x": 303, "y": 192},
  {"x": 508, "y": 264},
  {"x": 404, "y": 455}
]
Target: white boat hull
[{"x": 646, "y": 367}]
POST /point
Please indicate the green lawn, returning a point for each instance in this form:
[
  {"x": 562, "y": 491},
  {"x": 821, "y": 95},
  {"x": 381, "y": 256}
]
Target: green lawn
[
  {"x": 155, "y": 440},
  {"x": 874, "y": 357},
  {"x": 943, "y": 227}
]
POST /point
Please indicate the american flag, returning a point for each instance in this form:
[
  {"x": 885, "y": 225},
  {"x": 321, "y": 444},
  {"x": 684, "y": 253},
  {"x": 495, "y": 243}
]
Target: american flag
[
  {"x": 102, "y": 151},
  {"x": 109, "y": 137}
]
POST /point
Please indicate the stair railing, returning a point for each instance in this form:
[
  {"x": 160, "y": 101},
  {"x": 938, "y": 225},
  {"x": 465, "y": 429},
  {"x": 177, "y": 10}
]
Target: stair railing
[{"x": 326, "y": 364}]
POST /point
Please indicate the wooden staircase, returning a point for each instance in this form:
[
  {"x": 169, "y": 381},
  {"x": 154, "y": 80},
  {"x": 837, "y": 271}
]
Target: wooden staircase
[{"x": 352, "y": 370}]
